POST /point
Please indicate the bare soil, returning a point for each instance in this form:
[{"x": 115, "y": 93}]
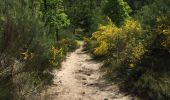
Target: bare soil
[{"x": 80, "y": 78}]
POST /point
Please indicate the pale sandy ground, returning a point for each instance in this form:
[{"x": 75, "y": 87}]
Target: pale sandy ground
[{"x": 80, "y": 79}]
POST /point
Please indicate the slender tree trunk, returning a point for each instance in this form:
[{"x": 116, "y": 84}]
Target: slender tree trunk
[
  {"x": 33, "y": 9},
  {"x": 98, "y": 2},
  {"x": 57, "y": 35},
  {"x": 45, "y": 11},
  {"x": 45, "y": 5}
]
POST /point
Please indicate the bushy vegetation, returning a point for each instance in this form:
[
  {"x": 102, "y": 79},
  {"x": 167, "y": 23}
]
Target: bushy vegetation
[
  {"x": 136, "y": 51},
  {"x": 30, "y": 47},
  {"x": 124, "y": 42},
  {"x": 131, "y": 36},
  {"x": 117, "y": 10},
  {"x": 85, "y": 16}
]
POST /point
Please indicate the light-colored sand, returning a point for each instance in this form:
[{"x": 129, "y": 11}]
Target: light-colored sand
[{"x": 80, "y": 79}]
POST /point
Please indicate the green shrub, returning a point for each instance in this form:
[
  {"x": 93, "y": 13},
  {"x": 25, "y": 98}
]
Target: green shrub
[{"x": 148, "y": 84}]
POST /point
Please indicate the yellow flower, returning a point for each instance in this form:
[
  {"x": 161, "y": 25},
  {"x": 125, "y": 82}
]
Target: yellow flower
[
  {"x": 131, "y": 65},
  {"x": 25, "y": 55},
  {"x": 102, "y": 49}
]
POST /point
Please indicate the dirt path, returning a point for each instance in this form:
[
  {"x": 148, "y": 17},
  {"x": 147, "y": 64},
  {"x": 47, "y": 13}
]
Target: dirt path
[{"x": 80, "y": 79}]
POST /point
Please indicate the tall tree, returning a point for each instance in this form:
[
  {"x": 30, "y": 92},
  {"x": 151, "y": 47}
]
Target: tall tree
[
  {"x": 117, "y": 10},
  {"x": 81, "y": 13},
  {"x": 55, "y": 16}
]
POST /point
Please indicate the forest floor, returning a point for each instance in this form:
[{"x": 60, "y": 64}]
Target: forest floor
[{"x": 80, "y": 78}]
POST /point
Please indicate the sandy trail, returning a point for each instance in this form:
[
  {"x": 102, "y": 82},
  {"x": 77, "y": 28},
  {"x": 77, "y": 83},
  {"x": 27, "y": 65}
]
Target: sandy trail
[{"x": 80, "y": 79}]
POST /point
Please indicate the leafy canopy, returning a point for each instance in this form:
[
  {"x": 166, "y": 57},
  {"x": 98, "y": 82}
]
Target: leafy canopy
[{"x": 117, "y": 10}]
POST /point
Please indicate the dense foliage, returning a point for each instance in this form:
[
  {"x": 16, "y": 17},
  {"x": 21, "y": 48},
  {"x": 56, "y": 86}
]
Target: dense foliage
[
  {"x": 28, "y": 48},
  {"x": 84, "y": 15},
  {"x": 132, "y": 37},
  {"x": 117, "y": 10},
  {"x": 137, "y": 50}
]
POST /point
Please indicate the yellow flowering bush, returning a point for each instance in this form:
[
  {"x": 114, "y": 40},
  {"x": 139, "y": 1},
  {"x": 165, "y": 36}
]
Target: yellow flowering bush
[
  {"x": 138, "y": 51},
  {"x": 103, "y": 37},
  {"x": 134, "y": 48},
  {"x": 102, "y": 49},
  {"x": 163, "y": 27},
  {"x": 56, "y": 56},
  {"x": 124, "y": 41},
  {"x": 131, "y": 27}
]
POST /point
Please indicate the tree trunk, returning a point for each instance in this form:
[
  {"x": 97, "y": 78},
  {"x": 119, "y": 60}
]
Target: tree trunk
[{"x": 57, "y": 35}]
